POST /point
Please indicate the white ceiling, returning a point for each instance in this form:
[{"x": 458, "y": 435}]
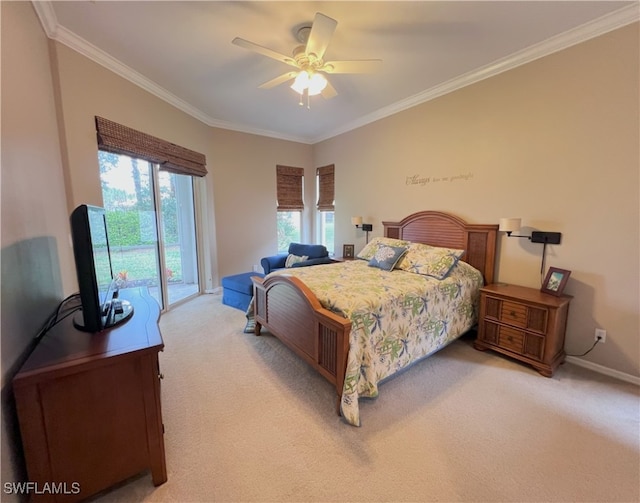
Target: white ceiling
[{"x": 182, "y": 52}]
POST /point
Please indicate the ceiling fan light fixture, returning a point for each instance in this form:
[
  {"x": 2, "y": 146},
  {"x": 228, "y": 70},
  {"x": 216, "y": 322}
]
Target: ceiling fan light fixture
[
  {"x": 313, "y": 83},
  {"x": 317, "y": 83},
  {"x": 301, "y": 83}
]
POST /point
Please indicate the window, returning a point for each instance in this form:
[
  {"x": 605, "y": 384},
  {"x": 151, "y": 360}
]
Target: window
[
  {"x": 288, "y": 229},
  {"x": 325, "y": 179},
  {"x": 326, "y": 230},
  {"x": 289, "y": 193}
]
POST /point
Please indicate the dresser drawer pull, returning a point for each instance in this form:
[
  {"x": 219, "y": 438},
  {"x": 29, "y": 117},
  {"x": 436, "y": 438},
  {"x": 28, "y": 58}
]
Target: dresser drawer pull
[
  {"x": 510, "y": 339},
  {"x": 513, "y": 314}
]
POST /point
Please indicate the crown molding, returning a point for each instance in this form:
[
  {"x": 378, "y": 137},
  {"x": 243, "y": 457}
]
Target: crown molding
[
  {"x": 587, "y": 31},
  {"x": 47, "y": 16},
  {"x": 582, "y": 33}
]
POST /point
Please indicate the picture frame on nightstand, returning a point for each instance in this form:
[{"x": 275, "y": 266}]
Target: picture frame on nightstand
[
  {"x": 555, "y": 281},
  {"x": 347, "y": 251}
]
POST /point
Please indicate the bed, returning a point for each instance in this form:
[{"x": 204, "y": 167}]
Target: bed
[{"x": 358, "y": 325}]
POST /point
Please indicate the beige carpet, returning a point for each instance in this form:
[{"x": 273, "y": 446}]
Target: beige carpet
[{"x": 247, "y": 420}]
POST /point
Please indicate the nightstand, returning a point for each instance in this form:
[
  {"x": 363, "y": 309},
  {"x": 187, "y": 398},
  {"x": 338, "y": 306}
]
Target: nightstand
[{"x": 523, "y": 323}]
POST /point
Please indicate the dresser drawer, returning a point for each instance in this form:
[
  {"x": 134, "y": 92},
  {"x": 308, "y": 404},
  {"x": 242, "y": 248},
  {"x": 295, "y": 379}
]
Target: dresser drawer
[{"x": 517, "y": 314}]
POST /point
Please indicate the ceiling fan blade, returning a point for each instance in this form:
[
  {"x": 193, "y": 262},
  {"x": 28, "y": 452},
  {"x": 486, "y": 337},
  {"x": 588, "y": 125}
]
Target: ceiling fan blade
[
  {"x": 240, "y": 42},
  {"x": 329, "y": 91},
  {"x": 357, "y": 66},
  {"x": 278, "y": 80},
  {"x": 321, "y": 31}
]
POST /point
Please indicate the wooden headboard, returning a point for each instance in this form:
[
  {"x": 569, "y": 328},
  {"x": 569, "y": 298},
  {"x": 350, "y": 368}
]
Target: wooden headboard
[{"x": 436, "y": 228}]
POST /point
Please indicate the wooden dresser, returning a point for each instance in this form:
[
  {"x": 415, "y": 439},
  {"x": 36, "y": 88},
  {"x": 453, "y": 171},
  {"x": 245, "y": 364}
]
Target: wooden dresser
[
  {"x": 89, "y": 406},
  {"x": 525, "y": 324}
]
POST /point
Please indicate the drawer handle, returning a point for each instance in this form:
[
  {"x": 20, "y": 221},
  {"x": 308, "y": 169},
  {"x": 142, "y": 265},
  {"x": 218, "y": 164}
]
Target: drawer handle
[
  {"x": 513, "y": 314},
  {"x": 510, "y": 339}
]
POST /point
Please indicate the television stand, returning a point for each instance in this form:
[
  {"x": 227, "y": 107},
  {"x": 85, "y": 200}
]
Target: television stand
[{"x": 89, "y": 405}]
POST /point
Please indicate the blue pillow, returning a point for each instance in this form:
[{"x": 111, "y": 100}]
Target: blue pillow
[{"x": 386, "y": 257}]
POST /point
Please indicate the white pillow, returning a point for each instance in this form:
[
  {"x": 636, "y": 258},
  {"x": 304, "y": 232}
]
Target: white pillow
[{"x": 294, "y": 259}]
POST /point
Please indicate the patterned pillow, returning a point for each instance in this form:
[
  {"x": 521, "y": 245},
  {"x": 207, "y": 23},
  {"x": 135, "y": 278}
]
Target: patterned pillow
[
  {"x": 294, "y": 259},
  {"x": 386, "y": 257},
  {"x": 370, "y": 249},
  {"x": 430, "y": 260}
]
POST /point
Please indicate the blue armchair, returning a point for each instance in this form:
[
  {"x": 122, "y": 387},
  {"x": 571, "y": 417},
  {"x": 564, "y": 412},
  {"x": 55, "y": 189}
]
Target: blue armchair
[{"x": 317, "y": 254}]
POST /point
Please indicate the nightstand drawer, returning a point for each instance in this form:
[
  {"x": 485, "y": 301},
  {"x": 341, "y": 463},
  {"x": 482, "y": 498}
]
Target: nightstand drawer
[
  {"x": 514, "y": 314},
  {"x": 515, "y": 340},
  {"x": 510, "y": 339},
  {"x": 517, "y": 314}
]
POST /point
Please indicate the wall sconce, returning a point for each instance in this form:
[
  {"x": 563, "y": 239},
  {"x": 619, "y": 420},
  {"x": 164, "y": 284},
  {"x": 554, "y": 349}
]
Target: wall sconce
[
  {"x": 510, "y": 225},
  {"x": 357, "y": 221}
]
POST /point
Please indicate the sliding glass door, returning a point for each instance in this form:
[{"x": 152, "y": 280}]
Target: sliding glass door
[{"x": 151, "y": 224}]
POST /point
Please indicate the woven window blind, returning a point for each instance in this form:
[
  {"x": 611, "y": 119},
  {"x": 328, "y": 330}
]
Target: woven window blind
[
  {"x": 326, "y": 188},
  {"x": 289, "y": 188},
  {"x": 113, "y": 137}
]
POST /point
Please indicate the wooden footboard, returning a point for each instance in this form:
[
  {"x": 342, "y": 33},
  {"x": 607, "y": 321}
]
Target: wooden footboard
[{"x": 292, "y": 313}]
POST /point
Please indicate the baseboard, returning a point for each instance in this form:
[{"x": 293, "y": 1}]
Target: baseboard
[
  {"x": 217, "y": 290},
  {"x": 600, "y": 369}
]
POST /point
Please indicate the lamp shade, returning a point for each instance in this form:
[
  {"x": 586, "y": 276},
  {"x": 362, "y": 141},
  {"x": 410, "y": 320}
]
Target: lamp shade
[
  {"x": 356, "y": 220},
  {"x": 509, "y": 224}
]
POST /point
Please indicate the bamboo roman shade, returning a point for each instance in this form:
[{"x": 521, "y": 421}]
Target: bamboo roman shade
[
  {"x": 326, "y": 188},
  {"x": 289, "y": 188},
  {"x": 113, "y": 137}
]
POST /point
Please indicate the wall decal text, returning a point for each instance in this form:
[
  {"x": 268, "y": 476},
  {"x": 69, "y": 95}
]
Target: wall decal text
[{"x": 426, "y": 180}]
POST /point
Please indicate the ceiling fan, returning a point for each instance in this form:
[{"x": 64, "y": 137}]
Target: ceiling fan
[{"x": 307, "y": 59}]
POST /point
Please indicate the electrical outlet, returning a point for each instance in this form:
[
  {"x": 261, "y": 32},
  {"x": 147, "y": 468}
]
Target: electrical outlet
[{"x": 601, "y": 335}]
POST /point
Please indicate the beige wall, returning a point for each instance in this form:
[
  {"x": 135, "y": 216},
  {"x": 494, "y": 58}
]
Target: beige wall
[
  {"x": 33, "y": 191},
  {"x": 554, "y": 142},
  {"x": 245, "y": 188}
]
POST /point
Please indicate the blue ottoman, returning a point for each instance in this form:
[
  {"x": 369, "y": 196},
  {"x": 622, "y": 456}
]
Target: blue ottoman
[{"x": 237, "y": 290}]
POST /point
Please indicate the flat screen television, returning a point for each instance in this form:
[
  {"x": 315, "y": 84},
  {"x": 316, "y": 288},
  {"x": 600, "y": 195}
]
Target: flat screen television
[{"x": 99, "y": 296}]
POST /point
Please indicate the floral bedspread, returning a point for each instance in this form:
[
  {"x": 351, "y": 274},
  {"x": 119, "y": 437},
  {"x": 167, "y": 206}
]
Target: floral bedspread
[{"x": 398, "y": 317}]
